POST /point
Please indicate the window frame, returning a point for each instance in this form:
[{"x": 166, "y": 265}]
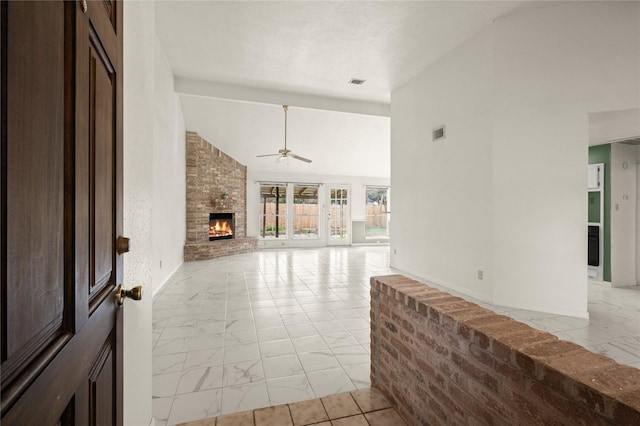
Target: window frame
[
  {"x": 387, "y": 213},
  {"x": 283, "y": 218}
]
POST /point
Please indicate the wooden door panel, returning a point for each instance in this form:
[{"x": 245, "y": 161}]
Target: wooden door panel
[
  {"x": 33, "y": 281},
  {"x": 103, "y": 15},
  {"x": 61, "y": 201},
  {"x": 101, "y": 113},
  {"x": 65, "y": 378},
  {"x": 101, "y": 387}
]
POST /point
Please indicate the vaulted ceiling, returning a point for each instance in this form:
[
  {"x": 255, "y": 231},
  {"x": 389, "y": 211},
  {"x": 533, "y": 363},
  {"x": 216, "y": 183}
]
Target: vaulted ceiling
[{"x": 303, "y": 53}]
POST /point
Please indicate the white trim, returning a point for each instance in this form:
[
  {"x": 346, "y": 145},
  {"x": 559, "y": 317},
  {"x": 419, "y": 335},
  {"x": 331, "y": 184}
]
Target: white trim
[
  {"x": 210, "y": 89},
  {"x": 166, "y": 280}
]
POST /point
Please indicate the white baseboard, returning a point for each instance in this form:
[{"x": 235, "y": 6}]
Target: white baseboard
[{"x": 166, "y": 280}]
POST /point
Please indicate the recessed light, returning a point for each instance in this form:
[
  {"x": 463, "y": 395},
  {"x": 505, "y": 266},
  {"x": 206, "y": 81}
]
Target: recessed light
[{"x": 357, "y": 81}]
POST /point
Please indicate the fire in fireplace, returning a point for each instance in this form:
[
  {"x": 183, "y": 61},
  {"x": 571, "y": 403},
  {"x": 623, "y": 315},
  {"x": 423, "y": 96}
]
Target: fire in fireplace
[{"x": 220, "y": 226}]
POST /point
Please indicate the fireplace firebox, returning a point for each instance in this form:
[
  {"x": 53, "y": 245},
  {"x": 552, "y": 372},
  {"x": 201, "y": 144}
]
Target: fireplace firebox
[{"x": 220, "y": 226}]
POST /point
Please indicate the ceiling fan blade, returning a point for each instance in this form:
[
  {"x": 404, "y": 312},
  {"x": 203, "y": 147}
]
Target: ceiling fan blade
[
  {"x": 285, "y": 153},
  {"x": 297, "y": 157}
]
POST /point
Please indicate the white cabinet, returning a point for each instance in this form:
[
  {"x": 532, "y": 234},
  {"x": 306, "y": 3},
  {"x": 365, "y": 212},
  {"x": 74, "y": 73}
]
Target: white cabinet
[{"x": 595, "y": 176}]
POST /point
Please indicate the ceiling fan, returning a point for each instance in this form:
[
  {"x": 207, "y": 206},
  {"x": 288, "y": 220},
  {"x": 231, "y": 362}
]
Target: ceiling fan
[{"x": 285, "y": 153}]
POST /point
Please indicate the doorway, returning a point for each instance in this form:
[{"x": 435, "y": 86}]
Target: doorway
[{"x": 338, "y": 215}]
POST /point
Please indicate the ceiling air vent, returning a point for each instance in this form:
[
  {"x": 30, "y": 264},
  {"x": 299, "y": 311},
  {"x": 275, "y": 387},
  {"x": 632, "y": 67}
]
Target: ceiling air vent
[
  {"x": 438, "y": 133},
  {"x": 357, "y": 81}
]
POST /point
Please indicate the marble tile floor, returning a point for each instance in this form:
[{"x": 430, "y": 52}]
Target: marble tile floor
[
  {"x": 613, "y": 327},
  {"x": 364, "y": 407},
  {"x": 261, "y": 329},
  {"x": 280, "y": 326}
]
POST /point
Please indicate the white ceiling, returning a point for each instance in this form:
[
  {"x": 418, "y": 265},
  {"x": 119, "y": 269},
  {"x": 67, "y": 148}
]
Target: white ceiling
[{"x": 303, "y": 53}]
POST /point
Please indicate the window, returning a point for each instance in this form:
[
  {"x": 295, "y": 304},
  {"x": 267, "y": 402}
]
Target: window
[
  {"x": 305, "y": 211},
  {"x": 338, "y": 213},
  {"x": 273, "y": 211},
  {"x": 377, "y": 212}
]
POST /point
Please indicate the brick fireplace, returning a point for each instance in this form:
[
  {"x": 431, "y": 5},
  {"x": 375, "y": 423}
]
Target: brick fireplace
[{"x": 216, "y": 186}]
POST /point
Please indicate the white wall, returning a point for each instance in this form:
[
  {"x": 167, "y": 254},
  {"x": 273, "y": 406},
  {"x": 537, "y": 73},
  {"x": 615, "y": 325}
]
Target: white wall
[
  {"x": 515, "y": 99},
  {"x": 339, "y": 143},
  {"x": 554, "y": 66},
  {"x": 153, "y": 134},
  {"x": 623, "y": 215},
  {"x": 442, "y": 206},
  {"x": 638, "y": 215},
  {"x": 357, "y": 185},
  {"x": 169, "y": 186}
]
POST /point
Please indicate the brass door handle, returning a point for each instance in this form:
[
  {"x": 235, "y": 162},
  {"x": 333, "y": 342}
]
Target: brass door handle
[{"x": 135, "y": 294}]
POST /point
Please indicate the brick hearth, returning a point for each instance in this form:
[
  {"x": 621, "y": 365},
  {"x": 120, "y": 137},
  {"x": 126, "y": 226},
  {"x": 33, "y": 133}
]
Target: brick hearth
[{"x": 211, "y": 173}]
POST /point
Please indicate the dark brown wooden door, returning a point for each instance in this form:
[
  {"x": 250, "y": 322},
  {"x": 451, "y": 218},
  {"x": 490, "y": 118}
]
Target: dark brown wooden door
[{"x": 61, "y": 212}]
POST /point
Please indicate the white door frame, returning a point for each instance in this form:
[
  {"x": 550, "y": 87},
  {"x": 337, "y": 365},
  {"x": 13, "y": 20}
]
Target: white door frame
[{"x": 347, "y": 239}]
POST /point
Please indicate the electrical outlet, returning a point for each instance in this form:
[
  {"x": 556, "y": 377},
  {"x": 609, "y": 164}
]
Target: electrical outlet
[
  {"x": 480, "y": 275},
  {"x": 395, "y": 251},
  {"x": 161, "y": 264}
]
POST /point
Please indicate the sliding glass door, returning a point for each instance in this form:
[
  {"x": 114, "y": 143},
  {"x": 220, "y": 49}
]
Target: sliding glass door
[
  {"x": 273, "y": 211},
  {"x": 290, "y": 215}
]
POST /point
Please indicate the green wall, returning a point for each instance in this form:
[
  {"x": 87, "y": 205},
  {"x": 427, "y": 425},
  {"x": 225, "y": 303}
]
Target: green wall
[{"x": 602, "y": 154}]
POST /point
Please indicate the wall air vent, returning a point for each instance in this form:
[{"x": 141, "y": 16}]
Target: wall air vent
[
  {"x": 438, "y": 133},
  {"x": 357, "y": 81}
]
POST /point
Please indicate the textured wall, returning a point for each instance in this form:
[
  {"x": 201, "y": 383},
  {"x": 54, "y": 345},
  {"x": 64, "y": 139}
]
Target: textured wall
[{"x": 442, "y": 360}]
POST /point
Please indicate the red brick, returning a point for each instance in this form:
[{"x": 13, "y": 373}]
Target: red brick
[
  {"x": 435, "y": 409},
  {"x": 612, "y": 381},
  {"x": 550, "y": 349},
  {"x": 626, "y": 410},
  {"x": 407, "y": 325},
  {"x": 481, "y": 356},
  {"x": 401, "y": 397},
  {"x": 389, "y": 325},
  {"x": 450, "y": 319},
  {"x": 389, "y": 349},
  {"x": 505, "y": 346},
  {"x": 527, "y": 357},
  {"x": 579, "y": 361},
  {"x": 484, "y": 329},
  {"x": 445, "y": 400},
  {"x": 401, "y": 347},
  {"x": 515, "y": 376},
  {"x": 453, "y": 375},
  {"x": 413, "y": 299},
  {"x": 561, "y": 406},
  {"x": 432, "y": 343},
  {"x": 475, "y": 412},
  {"x": 479, "y": 375},
  {"x": 493, "y": 403}
]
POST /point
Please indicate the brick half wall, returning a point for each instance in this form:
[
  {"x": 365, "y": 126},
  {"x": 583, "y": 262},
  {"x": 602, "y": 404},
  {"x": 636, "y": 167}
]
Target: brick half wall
[{"x": 442, "y": 360}]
